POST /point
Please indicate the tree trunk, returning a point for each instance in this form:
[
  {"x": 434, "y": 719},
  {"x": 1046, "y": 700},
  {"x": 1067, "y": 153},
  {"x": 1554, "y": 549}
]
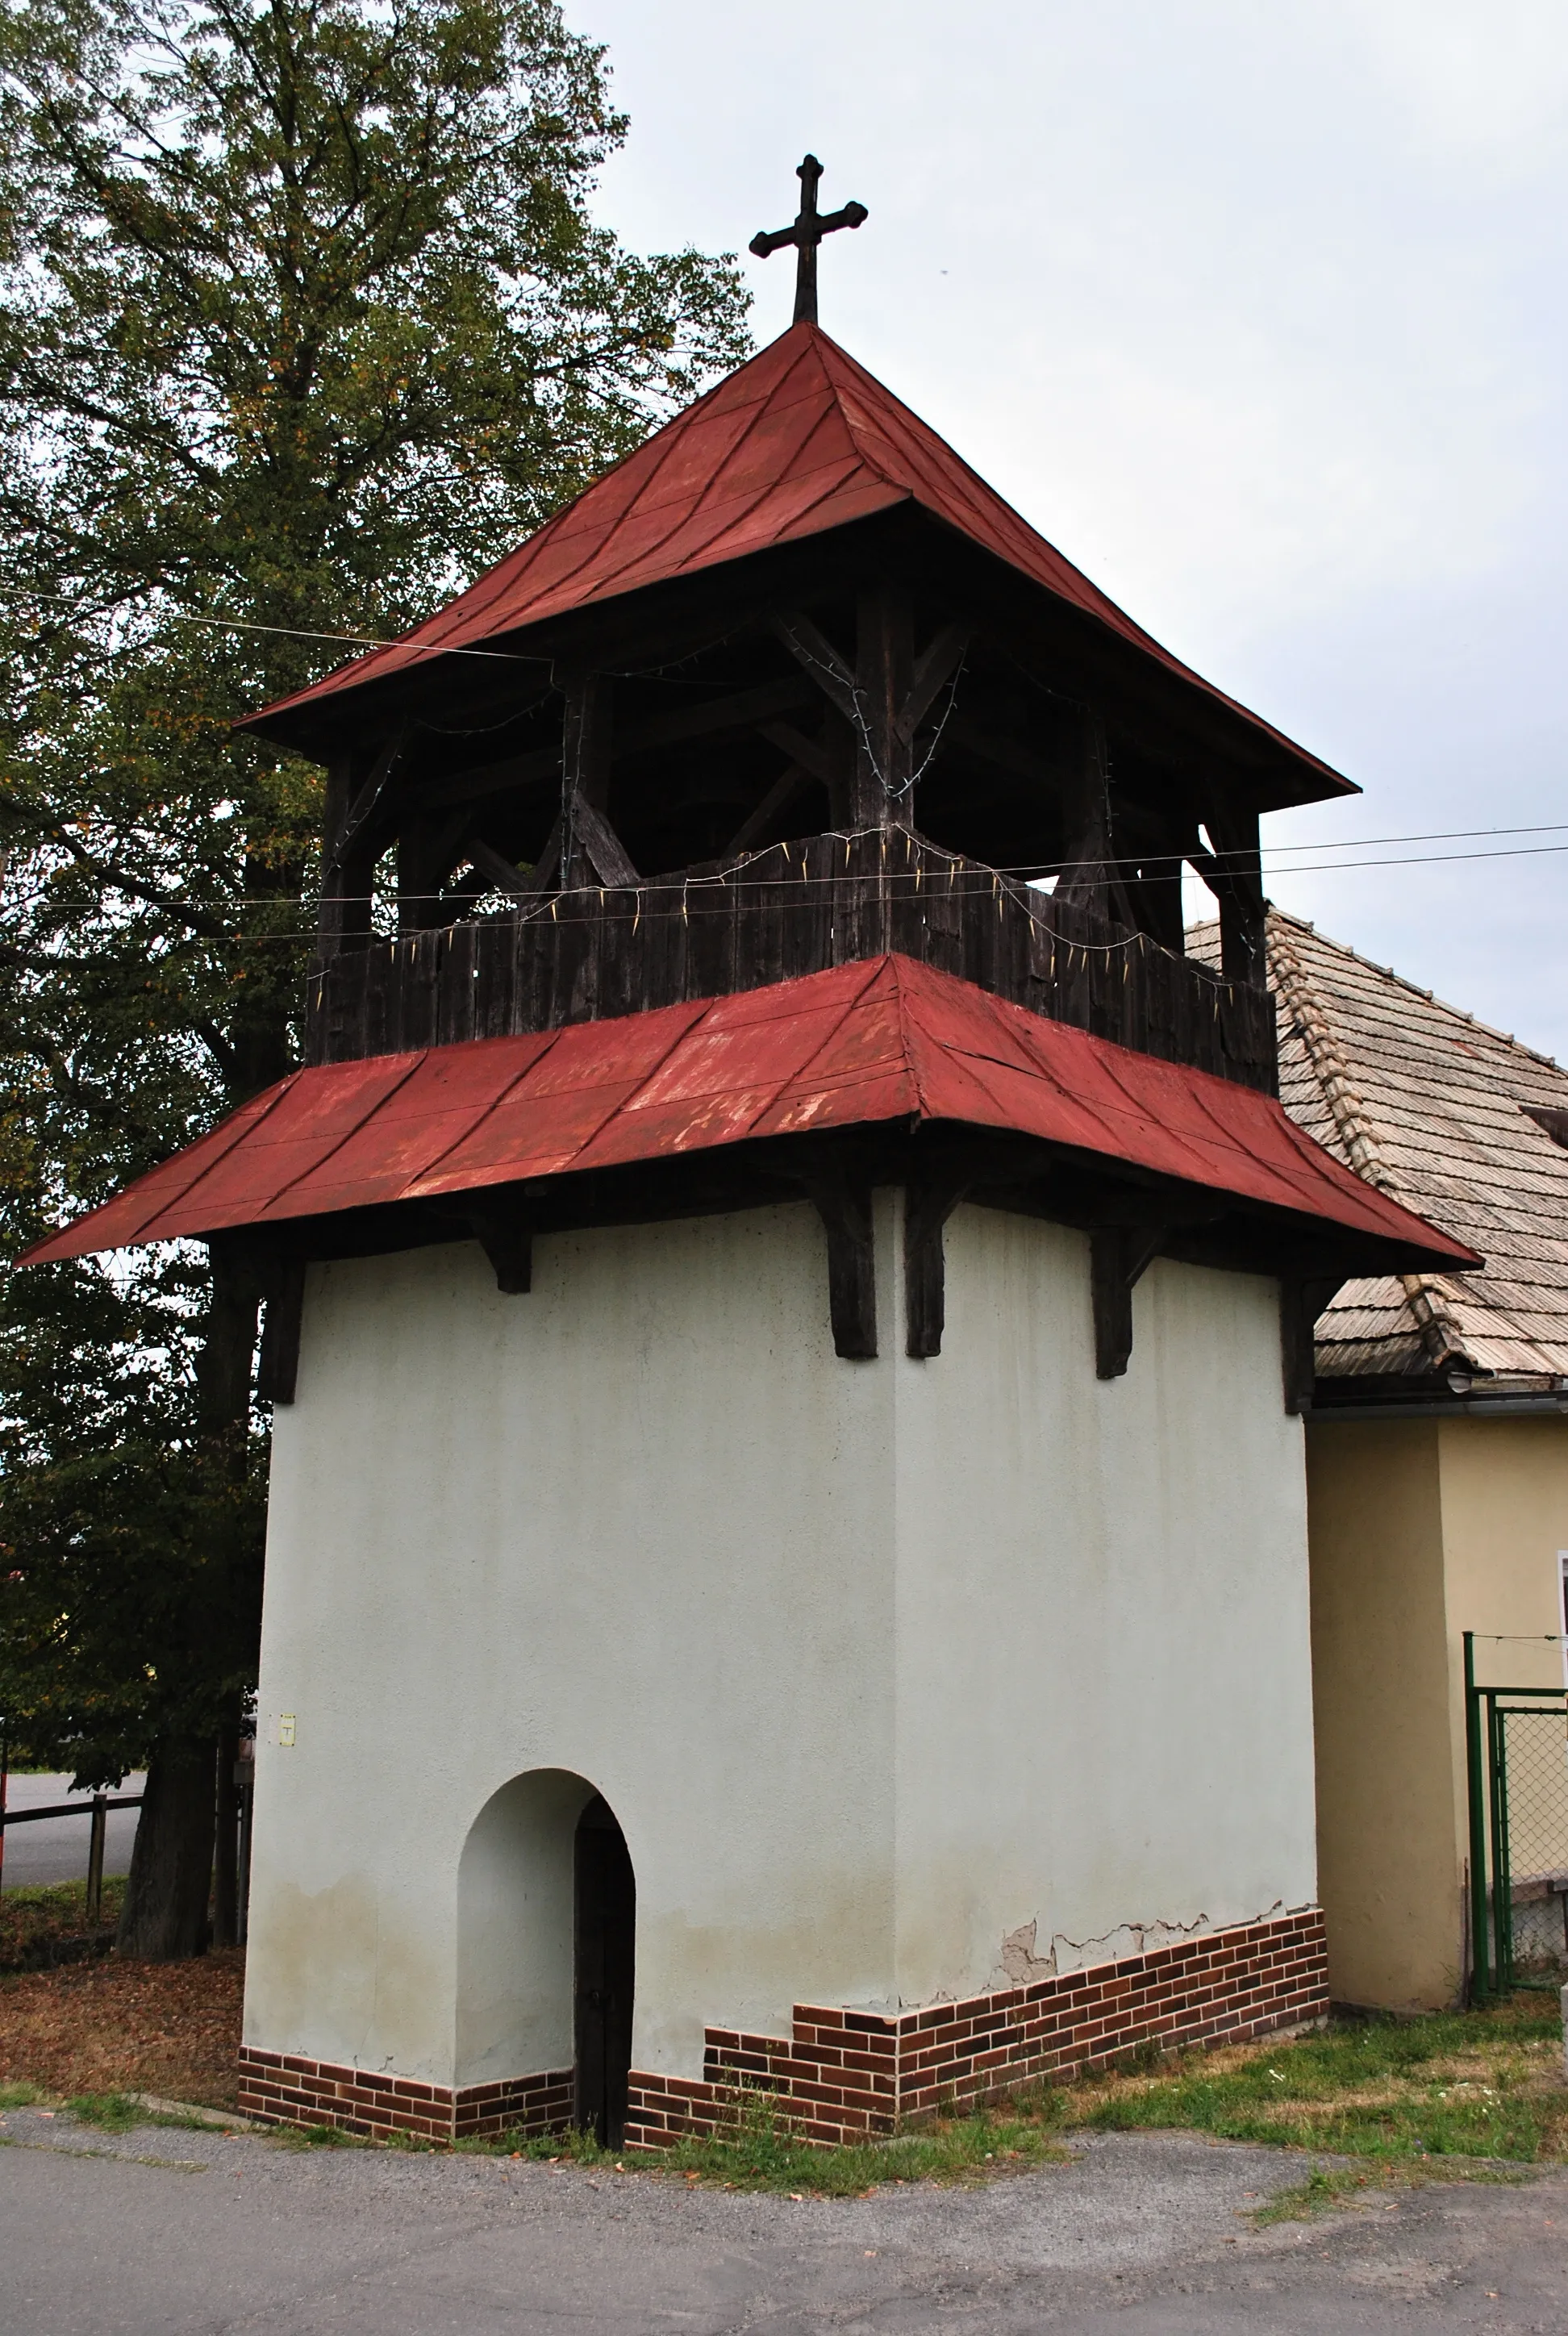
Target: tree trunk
[
  {"x": 164, "y": 1918},
  {"x": 165, "y": 1911}
]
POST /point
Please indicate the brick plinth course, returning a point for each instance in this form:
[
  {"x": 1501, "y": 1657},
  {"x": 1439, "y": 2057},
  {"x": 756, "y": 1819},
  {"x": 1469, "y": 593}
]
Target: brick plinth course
[
  {"x": 281, "y": 2088},
  {"x": 849, "y": 2075}
]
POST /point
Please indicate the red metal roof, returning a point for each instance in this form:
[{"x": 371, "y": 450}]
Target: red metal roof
[
  {"x": 883, "y": 1039},
  {"x": 799, "y": 440}
]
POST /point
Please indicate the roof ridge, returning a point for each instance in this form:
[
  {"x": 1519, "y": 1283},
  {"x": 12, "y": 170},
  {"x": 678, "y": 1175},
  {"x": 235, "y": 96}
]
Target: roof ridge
[{"x": 1440, "y": 1333}]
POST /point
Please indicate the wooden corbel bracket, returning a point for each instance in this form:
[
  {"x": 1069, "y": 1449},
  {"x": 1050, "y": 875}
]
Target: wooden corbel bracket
[
  {"x": 506, "y": 1236},
  {"x": 1118, "y": 1256},
  {"x": 283, "y": 1299},
  {"x": 1302, "y": 1298},
  {"x": 844, "y": 1203},
  {"x": 928, "y": 1204}
]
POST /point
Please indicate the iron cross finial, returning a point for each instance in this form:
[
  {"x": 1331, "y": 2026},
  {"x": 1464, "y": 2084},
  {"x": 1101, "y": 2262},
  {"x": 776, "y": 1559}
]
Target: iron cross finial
[{"x": 809, "y": 228}]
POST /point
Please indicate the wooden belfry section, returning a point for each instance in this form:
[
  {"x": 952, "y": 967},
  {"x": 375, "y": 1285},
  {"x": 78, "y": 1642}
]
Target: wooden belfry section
[
  {"x": 789, "y": 691},
  {"x": 788, "y": 688}
]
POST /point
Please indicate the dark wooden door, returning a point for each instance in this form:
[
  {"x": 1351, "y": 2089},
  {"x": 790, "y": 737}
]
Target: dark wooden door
[{"x": 606, "y": 1968}]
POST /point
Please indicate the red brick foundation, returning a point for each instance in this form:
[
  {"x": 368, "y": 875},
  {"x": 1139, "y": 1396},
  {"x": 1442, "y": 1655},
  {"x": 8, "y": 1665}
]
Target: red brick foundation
[
  {"x": 280, "y": 2088},
  {"x": 844, "y": 2075}
]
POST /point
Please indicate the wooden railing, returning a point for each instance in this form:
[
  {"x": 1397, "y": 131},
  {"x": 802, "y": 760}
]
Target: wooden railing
[{"x": 793, "y": 910}]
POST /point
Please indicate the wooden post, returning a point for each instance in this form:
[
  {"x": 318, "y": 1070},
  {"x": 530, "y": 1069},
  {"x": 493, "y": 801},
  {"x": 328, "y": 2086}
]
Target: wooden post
[
  {"x": 344, "y": 916},
  {"x": 884, "y": 664},
  {"x": 1089, "y": 877},
  {"x": 586, "y": 738},
  {"x": 98, "y": 1824},
  {"x": 1243, "y": 911}
]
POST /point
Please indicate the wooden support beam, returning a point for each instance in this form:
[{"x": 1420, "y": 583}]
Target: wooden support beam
[
  {"x": 278, "y": 1371},
  {"x": 1090, "y": 878},
  {"x": 1234, "y": 872},
  {"x": 928, "y": 1204},
  {"x": 844, "y": 1203},
  {"x": 499, "y": 875},
  {"x": 427, "y": 850},
  {"x": 599, "y": 843},
  {"x": 745, "y": 709},
  {"x": 1118, "y": 1255},
  {"x": 935, "y": 665},
  {"x": 884, "y": 668},
  {"x": 586, "y": 730},
  {"x": 817, "y": 654},
  {"x": 367, "y": 818},
  {"x": 809, "y": 753},
  {"x": 343, "y": 916},
  {"x": 505, "y": 1235},
  {"x": 752, "y": 828},
  {"x": 1302, "y": 1298}
]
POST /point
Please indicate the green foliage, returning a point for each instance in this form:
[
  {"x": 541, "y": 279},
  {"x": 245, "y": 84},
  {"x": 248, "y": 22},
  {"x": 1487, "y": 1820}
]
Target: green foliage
[
  {"x": 35, "y": 1918},
  {"x": 109, "y": 2112},
  {"x": 756, "y": 2148},
  {"x": 303, "y": 319},
  {"x": 1452, "y": 2085}
]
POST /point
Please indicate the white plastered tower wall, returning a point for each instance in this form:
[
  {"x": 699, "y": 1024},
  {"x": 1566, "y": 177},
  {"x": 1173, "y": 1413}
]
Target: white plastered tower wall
[{"x": 878, "y": 1664}]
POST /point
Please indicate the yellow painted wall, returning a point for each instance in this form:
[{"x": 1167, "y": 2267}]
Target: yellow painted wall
[
  {"x": 1505, "y": 1497},
  {"x": 1390, "y": 1887},
  {"x": 1419, "y": 1530}
]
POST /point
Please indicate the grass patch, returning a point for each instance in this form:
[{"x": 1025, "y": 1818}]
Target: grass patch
[
  {"x": 18, "y": 2096},
  {"x": 109, "y": 2112},
  {"x": 1451, "y": 2085},
  {"x": 38, "y": 1920},
  {"x": 758, "y": 2148},
  {"x": 316, "y": 2137}
]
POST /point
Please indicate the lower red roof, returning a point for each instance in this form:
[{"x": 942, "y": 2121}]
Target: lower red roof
[{"x": 883, "y": 1039}]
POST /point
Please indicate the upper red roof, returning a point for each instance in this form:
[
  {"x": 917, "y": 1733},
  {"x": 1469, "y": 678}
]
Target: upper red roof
[
  {"x": 797, "y": 441},
  {"x": 883, "y": 1039}
]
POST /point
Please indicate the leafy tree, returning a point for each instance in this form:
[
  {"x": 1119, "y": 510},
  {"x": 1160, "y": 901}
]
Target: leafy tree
[{"x": 303, "y": 319}]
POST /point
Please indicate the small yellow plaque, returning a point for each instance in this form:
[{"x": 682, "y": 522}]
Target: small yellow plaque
[{"x": 286, "y": 1727}]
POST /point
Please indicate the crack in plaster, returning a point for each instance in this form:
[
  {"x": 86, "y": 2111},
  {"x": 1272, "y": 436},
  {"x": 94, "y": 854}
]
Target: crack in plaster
[{"x": 1020, "y": 1964}]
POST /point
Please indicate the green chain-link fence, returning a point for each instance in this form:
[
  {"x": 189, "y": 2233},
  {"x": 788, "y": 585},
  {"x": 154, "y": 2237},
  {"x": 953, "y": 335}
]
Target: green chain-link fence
[{"x": 1517, "y": 1742}]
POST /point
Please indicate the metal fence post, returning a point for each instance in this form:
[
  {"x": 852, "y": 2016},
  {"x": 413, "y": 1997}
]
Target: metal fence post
[
  {"x": 95, "y": 1840},
  {"x": 1479, "y": 1988}
]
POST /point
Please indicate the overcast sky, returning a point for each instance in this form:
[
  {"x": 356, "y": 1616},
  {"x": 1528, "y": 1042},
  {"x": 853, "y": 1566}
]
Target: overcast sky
[{"x": 1255, "y": 308}]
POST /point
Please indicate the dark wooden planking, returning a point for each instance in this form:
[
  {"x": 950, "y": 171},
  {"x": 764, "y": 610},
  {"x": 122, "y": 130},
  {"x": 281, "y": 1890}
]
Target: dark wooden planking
[{"x": 791, "y": 910}]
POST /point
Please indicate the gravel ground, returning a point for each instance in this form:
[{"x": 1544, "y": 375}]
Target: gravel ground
[{"x": 171, "y": 2233}]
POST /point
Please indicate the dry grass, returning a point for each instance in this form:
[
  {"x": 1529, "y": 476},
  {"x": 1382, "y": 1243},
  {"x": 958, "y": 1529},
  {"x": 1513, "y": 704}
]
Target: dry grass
[
  {"x": 1451, "y": 2085},
  {"x": 113, "y": 2027}
]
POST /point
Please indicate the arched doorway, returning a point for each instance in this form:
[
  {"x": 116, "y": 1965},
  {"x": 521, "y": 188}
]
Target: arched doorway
[{"x": 605, "y": 1969}]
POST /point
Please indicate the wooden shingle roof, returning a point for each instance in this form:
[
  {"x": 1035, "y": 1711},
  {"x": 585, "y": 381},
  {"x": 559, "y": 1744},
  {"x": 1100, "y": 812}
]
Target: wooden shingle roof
[{"x": 1434, "y": 1108}]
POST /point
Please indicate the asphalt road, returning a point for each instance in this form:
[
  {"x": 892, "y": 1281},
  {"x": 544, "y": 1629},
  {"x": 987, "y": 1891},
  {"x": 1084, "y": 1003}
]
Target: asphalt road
[
  {"x": 164, "y": 2232},
  {"x": 55, "y": 1849}
]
